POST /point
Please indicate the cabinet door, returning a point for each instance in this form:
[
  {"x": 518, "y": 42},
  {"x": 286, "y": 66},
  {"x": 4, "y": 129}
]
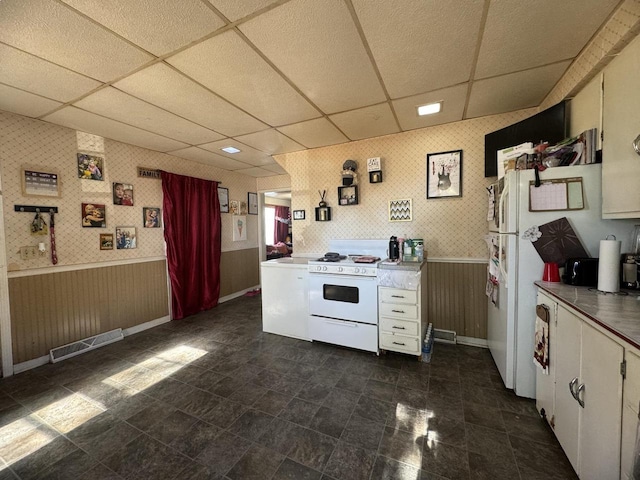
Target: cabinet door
[
  {"x": 600, "y": 425},
  {"x": 546, "y": 384},
  {"x": 630, "y": 409},
  {"x": 567, "y": 410},
  {"x": 621, "y": 117},
  {"x": 281, "y": 315}
]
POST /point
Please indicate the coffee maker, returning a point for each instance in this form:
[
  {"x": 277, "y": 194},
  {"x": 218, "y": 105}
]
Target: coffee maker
[{"x": 631, "y": 263}]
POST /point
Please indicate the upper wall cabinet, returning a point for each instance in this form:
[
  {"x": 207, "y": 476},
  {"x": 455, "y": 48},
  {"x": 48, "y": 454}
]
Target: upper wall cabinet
[{"x": 621, "y": 126}]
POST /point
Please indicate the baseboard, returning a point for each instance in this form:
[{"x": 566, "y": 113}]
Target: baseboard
[
  {"x": 473, "y": 342},
  {"x": 29, "y": 364},
  {"x": 226, "y": 298},
  {"x": 145, "y": 326}
]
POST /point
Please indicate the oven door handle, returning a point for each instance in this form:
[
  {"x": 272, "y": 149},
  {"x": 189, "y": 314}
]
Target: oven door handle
[{"x": 343, "y": 324}]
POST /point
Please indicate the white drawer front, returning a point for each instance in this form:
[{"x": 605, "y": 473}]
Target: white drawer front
[
  {"x": 396, "y": 295},
  {"x": 400, "y": 343},
  {"x": 403, "y": 327},
  {"x": 409, "y": 312},
  {"x": 348, "y": 334}
]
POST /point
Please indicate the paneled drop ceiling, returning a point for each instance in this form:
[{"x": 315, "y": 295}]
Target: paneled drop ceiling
[{"x": 190, "y": 77}]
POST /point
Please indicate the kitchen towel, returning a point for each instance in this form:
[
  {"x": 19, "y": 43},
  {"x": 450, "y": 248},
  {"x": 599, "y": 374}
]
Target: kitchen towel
[
  {"x": 541, "y": 342},
  {"x": 609, "y": 265}
]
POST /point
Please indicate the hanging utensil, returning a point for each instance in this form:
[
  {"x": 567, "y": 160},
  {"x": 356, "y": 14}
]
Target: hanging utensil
[{"x": 54, "y": 253}]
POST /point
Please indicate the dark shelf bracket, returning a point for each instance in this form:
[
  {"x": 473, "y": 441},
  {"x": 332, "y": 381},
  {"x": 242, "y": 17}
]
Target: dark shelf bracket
[{"x": 35, "y": 209}]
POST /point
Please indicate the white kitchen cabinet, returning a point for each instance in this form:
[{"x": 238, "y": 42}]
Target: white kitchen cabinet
[
  {"x": 620, "y": 126},
  {"x": 546, "y": 384},
  {"x": 285, "y": 306},
  {"x": 402, "y": 315},
  {"x": 588, "y": 397},
  {"x": 630, "y": 411}
]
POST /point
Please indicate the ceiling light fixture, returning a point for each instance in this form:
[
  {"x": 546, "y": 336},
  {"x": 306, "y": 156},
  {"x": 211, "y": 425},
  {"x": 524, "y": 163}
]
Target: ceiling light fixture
[
  {"x": 429, "y": 109},
  {"x": 230, "y": 149}
]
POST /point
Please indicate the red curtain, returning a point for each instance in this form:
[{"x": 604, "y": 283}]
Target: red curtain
[
  {"x": 192, "y": 232},
  {"x": 281, "y": 227}
]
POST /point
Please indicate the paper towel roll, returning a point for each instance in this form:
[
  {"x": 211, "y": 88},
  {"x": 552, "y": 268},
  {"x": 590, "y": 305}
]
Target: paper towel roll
[{"x": 609, "y": 266}]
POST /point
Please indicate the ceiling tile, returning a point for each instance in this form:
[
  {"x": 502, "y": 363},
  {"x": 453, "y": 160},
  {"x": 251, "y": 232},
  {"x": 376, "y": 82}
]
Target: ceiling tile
[
  {"x": 113, "y": 103},
  {"x": 421, "y": 45},
  {"x": 161, "y": 85},
  {"x": 235, "y": 10},
  {"x": 559, "y": 33},
  {"x": 158, "y": 26},
  {"x": 257, "y": 172},
  {"x": 271, "y": 142},
  {"x": 24, "y": 103},
  {"x": 228, "y": 66},
  {"x": 246, "y": 154},
  {"x": 453, "y": 101},
  {"x": 366, "y": 122},
  {"x": 56, "y": 33},
  {"x": 77, "y": 119},
  {"x": 276, "y": 168},
  {"x": 317, "y": 46},
  {"x": 526, "y": 89},
  {"x": 38, "y": 76},
  {"x": 202, "y": 156},
  {"x": 314, "y": 133}
]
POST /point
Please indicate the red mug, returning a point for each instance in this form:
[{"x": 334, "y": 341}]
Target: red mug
[{"x": 551, "y": 273}]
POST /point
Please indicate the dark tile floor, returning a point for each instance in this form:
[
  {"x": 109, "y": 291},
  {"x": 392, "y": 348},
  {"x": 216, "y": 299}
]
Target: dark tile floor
[{"x": 212, "y": 397}]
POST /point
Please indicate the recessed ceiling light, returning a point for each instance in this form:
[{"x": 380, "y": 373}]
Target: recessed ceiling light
[
  {"x": 230, "y": 149},
  {"x": 429, "y": 109}
]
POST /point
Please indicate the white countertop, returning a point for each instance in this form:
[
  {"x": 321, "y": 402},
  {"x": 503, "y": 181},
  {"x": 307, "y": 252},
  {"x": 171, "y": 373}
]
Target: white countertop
[
  {"x": 619, "y": 314},
  {"x": 298, "y": 262}
]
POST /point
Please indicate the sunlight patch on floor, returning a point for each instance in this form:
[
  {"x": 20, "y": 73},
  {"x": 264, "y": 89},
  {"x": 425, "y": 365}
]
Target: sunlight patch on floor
[
  {"x": 68, "y": 413},
  {"x": 23, "y": 437}
]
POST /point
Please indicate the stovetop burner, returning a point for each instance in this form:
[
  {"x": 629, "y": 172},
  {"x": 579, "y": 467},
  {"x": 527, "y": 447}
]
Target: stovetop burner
[{"x": 329, "y": 259}]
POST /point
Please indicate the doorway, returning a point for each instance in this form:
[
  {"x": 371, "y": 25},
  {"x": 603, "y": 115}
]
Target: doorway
[{"x": 267, "y": 201}]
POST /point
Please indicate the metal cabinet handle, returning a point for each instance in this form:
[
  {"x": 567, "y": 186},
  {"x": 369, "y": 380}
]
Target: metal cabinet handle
[
  {"x": 580, "y": 390},
  {"x": 572, "y": 385},
  {"x": 398, "y": 328},
  {"x": 397, "y": 296},
  {"x": 398, "y": 343},
  {"x": 397, "y": 311}
]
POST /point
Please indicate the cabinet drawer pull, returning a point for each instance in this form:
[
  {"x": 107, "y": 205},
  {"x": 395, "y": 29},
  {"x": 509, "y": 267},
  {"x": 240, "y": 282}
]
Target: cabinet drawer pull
[
  {"x": 398, "y": 328},
  {"x": 572, "y": 385},
  {"x": 578, "y": 392},
  {"x": 340, "y": 324},
  {"x": 397, "y": 296},
  {"x": 398, "y": 343},
  {"x": 398, "y": 311}
]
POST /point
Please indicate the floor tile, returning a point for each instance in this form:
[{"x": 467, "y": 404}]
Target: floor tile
[
  {"x": 330, "y": 421},
  {"x": 487, "y": 442},
  {"x": 540, "y": 457},
  {"x": 171, "y": 427},
  {"x": 448, "y": 388},
  {"x": 410, "y": 397},
  {"x": 341, "y": 399},
  {"x": 256, "y": 464},
  {"x": 373, "y": 409},
  {"x": 484, "y": 416},
  {"x": 401, "y": 446},
  {"x": 38, "y": 460},
  {"x": 388, "y": 469},
  {"x": 72, "y": 466},
  {"x": 224, "y": 413},
  {"x": 353, "y": 383},
  {"x": 222, "y": 454},
  {"x": 299, "y": 411},
  {"x": 446, "y": 430},
  {"x": 290, "y": 470},
  {"x": 446, "y": 460},
  {"x": 99, "y": 472},
  {"x": 363, "y": 433},
  {"x": 272, "y": 402},
  {"x": 349, "y": 462},
  {"x": 409, "y": 419},
  {"x": 251, "y": 424},
  {"x": 248, "y": 394},
  {"x": 281, "y": 435},
  {"x": 380, "y": 390},
  {"x": 194, "y": 440},
  {"x": 312, "y": 449},
  {"x": 483, "y": 468}
]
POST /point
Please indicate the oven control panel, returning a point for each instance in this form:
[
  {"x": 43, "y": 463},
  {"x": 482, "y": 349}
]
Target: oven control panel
[{"x": 337, "y": 269}]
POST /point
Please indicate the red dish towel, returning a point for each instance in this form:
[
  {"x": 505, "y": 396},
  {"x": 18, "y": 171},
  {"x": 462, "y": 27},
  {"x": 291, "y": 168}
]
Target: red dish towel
[{"x": 541, "y": 342}]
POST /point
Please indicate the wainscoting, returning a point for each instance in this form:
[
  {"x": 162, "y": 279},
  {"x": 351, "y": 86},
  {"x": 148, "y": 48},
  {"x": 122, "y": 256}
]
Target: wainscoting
[
  {"x": 239, "y": 270},
  {"x": 456, "y": 297},
  {"x": 53, "y": 309}
]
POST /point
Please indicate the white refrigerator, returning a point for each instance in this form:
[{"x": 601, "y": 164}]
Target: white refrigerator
[{"x": 511, "y": 321}]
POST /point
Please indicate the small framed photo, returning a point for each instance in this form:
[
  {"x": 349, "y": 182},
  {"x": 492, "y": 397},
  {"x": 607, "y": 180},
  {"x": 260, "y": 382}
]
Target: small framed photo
[
  {"x": 151, "y": 217},
  {"x": 40, "y": 182},
  {"x": 444, "y": 174},
  {"x": 90, "y": 167},
  {"x": 252, "y": 200},
  {"x": 239, "y": 228},
  {"x": 400, "y": 210},
  {"x": 234, "y": 206},
  {"x": 243, "y": 207},
  {"x": 126, "y": 238},
  {"x": 94, "y": 215},
  {"x": 123, "y": 194},
  {"x": 298, "y": 214},
  {"x": 106, "y": 241},
  {"x": 223, "y": 198}
]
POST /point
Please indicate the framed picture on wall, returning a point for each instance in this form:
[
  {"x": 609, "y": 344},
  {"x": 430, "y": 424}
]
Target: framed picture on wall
[
  {"x": 93, "y": 215},
  {"x": 243, "y": 207},
  {"x": 151, "y": 217},
  {"x": 90, "y": 167},
  {"x": 40, "y": 182},
  {"x": 298, "y": 214},
  {"x": 123, "y": 194},
  {"x": 234, "y": 206},
  {"x": 106, "y": 241},
  {"x": 126, "y": 238},
  {"x": 239, "y": 228},
  {"x": 223, "y": 198},
  {"x": 444, "y": 174},
  {"x": 252, "y": 200}
]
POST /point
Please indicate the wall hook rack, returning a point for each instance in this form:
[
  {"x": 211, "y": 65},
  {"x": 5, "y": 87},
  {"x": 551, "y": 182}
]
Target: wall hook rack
[{"x": 35, "y": 209}]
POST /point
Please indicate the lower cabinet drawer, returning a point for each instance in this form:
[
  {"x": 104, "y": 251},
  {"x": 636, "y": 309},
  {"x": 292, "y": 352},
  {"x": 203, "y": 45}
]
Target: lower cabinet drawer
[
  {"x": 348, "y": 334},
  {"x": 400, "y": 343},
  {"x": 399, "y": 311},
  {"x": 403, "y": 327}
]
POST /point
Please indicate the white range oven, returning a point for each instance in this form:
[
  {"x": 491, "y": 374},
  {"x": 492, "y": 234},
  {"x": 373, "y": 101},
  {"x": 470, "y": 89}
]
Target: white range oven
[{"x": 343, "y": 294}]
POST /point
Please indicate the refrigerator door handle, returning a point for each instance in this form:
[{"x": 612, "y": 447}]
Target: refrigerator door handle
[
  {"x": 501, "y": 213},
  {"x": 503, "y": 271}
]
